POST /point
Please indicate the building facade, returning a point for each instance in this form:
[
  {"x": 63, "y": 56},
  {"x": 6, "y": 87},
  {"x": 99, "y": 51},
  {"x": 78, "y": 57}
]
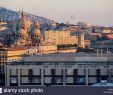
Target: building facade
[
  {"x": 87, "y": 43},
  {"x": 60, "y": 37},
  {"x": 50, "y": 70},
  {"x": 47, "y": 48},
  {"x": 3, "y": 25},
  {"x": 11, "y": 54},
  {"x": 25, "y": 75},
  {"x": 23, "y": 33}
]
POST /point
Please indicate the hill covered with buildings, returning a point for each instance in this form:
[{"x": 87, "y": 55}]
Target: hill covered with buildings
[{"x": 9, "y": 15}]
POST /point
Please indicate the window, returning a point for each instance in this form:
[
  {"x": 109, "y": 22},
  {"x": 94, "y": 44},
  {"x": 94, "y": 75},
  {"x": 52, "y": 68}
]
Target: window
[
  {"x": 36, "y": 80},
  {"x": 81, "y": 80},
  {"x": 13, "y": 79},
  {"x": 69, "y": 80}
]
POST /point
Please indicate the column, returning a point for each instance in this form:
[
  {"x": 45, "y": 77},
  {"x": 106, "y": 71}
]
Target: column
[
  {"x": 97, "y": 53},
  {"x": 18, "y": 77},
  {"x": 98, "y": 75},
  {"x": 86, "y": 72},
  {"x": 101, "y": 52},
  {"x": 109, "y": 76},
  {"x": 53, "y": 71},
  {"x": 75, "y": 73},
  {"x": 64, "y": 77},
  {"x": 42, "y": 76},
  {"x": 7, "y": 77}
]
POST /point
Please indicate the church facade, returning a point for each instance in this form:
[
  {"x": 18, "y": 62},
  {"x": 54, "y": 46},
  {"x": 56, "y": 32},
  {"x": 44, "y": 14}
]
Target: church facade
[{"x": 26, "y": 33}]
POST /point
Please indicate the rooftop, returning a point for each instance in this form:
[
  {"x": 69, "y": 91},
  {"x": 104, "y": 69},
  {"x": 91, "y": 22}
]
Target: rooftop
[
  {"x": 12, "y": 49},
  {"x": 15, "y": 48},
  {"x": 71, "y": 57}
]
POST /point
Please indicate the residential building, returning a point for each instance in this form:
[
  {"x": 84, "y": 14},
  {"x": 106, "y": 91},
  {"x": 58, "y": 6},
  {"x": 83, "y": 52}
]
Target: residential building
[
  {"x": 9, "y": 55},
  {"x": 87, "y": 43},
  {"x": 3, "y": 25},
  {"x": 63, "y": 37},
  {"x": 47, "y": 48},
  {"x": 108, "y": 35},
  {"x": 107, "y": 31}
]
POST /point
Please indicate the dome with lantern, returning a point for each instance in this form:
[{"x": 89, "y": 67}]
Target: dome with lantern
[
  {"x": 37, "y": 32},
  {"x": 26, "y": 23},
  {"x": 23, "y": 32}
]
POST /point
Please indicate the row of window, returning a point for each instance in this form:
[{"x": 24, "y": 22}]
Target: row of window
[
  {"x": 57, "y": 80},
  {"x": 71, "y": 72}
]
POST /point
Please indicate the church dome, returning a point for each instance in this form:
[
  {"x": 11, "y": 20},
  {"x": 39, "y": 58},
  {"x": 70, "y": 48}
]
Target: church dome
[
  {"x": 25, "y": 23},
  {"x": 37, "y": 32},
  {"x": 22, "y": 32}
]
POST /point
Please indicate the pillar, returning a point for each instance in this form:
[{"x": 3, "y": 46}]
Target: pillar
[
  {"x": 42, "y": 77},
  {"x": 64, "y": 77},
  {"x": 18, "y": 77},
  {"x": 109, "y": 76},
  {"x": 86, "y": 72},
  {"x": 7, "y": 76}
]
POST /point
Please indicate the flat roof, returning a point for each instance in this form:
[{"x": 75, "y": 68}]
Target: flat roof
[
  {"x": 71, "y": 57},
  {"x": 12, "y": 49}
]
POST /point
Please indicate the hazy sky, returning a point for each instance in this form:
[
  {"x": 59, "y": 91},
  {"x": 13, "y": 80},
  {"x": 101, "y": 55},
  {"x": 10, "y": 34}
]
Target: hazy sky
[{"x": 98, "y": 12}]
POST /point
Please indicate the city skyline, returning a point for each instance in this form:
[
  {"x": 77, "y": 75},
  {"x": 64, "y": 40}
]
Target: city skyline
[{"x": 97, "y": 12}]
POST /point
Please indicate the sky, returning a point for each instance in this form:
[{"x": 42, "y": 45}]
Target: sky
[{"x": 97, "y": 12}]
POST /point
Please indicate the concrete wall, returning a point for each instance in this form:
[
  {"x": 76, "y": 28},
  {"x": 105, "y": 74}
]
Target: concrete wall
[{"x": 64, "y": 74}]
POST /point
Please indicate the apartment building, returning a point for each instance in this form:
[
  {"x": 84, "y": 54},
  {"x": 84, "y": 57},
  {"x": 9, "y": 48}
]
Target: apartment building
[
  {"x": 8, "y": 55},
  {"x": 60, "y": 37},
  {"x": 47, "y": 48}
]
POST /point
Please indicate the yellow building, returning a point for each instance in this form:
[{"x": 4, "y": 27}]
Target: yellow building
[
  {"x": 47, "y": 48},
  {"x": 87, "y": 43},
  {"x": 64, "y": 37},
  {"x": 60, "y": 37},
  {"x": 11, "y": 54},
  {"x": 81, "y": 42}
]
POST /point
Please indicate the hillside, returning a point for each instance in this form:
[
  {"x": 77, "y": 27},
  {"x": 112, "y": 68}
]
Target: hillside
[{"x": 9, "y": 15}]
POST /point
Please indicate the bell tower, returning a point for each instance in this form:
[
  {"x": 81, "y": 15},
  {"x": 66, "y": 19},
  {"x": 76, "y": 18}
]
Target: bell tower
[{"x": 24, "y": 31}]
